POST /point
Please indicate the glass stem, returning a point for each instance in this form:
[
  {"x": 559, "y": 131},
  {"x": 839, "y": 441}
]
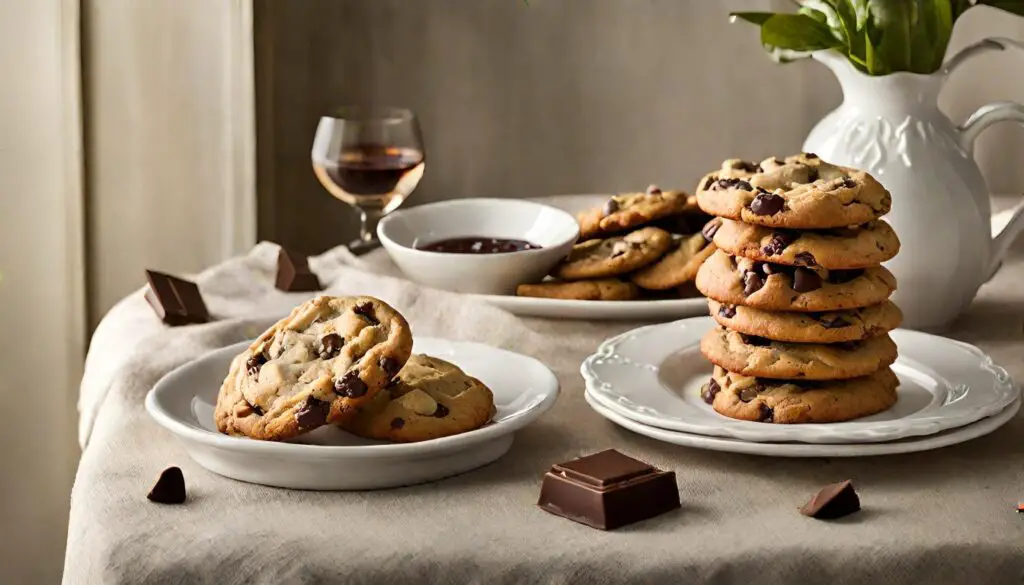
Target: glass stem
[{"x": 368, "y": 220}]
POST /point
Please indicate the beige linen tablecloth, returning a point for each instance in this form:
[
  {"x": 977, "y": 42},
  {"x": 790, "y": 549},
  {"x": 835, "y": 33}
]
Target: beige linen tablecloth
[{"x": 944, "y": 516}]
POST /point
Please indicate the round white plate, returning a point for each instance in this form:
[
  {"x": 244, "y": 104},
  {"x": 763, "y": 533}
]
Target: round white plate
[
  {"x": 910, "y": 445},
  {"x": 653, "y": 375},
  {"x": 331, "y": 459},
  {"x": 661, "y": 310}
]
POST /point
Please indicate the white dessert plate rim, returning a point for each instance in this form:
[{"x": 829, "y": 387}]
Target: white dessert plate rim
[
  {"x": 536, "y": 381},
  {"x": 952, "y": 384}
]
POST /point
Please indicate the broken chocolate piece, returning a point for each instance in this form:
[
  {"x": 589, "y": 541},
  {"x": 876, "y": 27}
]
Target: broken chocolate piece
[
  {"x": 607, "y": 490},
  {"x": 175, "y": 301},
  {"x": 293, "y": 273},
  {"x": 169, "y": 487},
  {"x": 833, "y": 501}
]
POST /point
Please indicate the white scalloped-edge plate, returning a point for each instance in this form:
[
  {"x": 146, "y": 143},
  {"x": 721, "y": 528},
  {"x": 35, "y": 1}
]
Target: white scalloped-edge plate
[
  {"x": 653, "y": 375},
  {"x": 331, "y": 459},
  {"x": 908, "y": 445}
]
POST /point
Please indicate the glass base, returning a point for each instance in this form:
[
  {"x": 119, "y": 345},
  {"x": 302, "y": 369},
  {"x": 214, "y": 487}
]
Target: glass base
[{"x": 360, "y": 246}]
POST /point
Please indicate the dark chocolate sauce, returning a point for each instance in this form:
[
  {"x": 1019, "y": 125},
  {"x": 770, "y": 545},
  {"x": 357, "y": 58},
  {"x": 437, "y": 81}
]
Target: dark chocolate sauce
[{"x": 479, "y": 245}]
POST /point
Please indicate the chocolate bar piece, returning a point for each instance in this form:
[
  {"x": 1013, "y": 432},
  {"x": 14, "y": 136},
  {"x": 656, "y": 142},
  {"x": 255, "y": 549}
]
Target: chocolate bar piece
[
  {"x": 833, "y": 501},
  {"x": 176, "y": 301},
  {"x": 293, "y": 273},
  {"x": 607, "y": 490},
  {"x": 169, "y": 487}
]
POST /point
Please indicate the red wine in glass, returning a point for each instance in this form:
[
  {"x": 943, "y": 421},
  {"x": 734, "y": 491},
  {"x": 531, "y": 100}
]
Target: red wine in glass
[{"x": 373, "y": 175}]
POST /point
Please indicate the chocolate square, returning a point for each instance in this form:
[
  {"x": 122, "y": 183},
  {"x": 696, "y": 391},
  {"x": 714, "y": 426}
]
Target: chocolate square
[
  {"x": 174, "y": 300},
  {"x": 608, "y": 490},
  {"x": 293, "y": 273},
  {"x": 833, "y": 501}
]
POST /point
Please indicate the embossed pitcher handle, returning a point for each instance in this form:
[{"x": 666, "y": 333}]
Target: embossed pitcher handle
[{"x": 1007, "y": 225}]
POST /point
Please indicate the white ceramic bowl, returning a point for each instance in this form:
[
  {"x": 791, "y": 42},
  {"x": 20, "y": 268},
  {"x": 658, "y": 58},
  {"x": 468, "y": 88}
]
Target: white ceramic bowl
[{"x": 552, "y": 229}]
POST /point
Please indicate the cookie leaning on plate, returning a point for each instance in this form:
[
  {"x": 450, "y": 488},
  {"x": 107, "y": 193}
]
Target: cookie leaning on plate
[
  {"x": 676, "y": 267},
  {"x": 792, "y": 402},
  {"x": 801, "y": 191},
  {"x": 751, "y": 355},
  {"x": 615, "y": 255},
  {"x": 430, "y": 398},
  {"x": 602, "y": 289},
  {"x": 319, "y": 364},
  {"x": 629, "y": 210}
]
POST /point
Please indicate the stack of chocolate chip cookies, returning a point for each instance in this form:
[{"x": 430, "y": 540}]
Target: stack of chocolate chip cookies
[
  {"x": 635, "y": 244},
  {"x": 347, "y": 361},
  {"x": 798, "y": 291}
]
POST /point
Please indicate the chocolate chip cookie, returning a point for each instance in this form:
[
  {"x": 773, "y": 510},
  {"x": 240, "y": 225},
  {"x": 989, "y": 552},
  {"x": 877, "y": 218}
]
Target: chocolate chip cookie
[
  {"x": 776, "y": 287},
  {"x": 602, "y": 289},
  {"x": 789, "y": 401},
  {"x": 615, "y": 255},
  {"x": 628, "y": 210},
  {"x": 319, "y": 364},
  {"x": 860, "y": 246},
  {"x": 430, "y": 398},
  {"x": 677, "y": 266},
  {"x": 751, "y": 355},
  {"x": 828, "y": 327},
  {"x": 801, "y": 191}
]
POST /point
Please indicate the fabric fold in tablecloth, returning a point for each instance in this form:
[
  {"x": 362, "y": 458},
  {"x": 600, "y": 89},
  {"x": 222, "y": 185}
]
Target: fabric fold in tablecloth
[{"x": 940, "y": 517}]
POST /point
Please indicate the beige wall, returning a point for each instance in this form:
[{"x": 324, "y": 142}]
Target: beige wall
[
  {"x": 41, "y": 283},
  {"x": 561, "y": 96}
]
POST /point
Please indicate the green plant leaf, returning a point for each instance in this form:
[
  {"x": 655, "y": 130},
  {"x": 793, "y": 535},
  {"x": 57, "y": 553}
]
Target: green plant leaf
[
  {"x": 1013, "y": 6},
  {"x": 889, "y": 32},
  {"x": 757, "y": 18},
  {"x": 797, "y": 32},
  {"x": 930, "y": 38}
]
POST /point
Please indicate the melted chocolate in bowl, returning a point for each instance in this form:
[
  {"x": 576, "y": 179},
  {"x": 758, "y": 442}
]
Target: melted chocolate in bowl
[{"x": 478, "y": 245}]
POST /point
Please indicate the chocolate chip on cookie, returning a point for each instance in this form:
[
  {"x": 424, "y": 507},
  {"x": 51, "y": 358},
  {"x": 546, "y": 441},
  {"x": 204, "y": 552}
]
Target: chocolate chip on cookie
[
  {"x": 350, "y": 386},
  {"x": 365, "y": 310},
  {"x": 330, "y": 346},
  {"x": 254, "y": 363},
  {"x": 805, "y": 280},
  {"x": 610, "y": 207},
  {"x": 766, "y": 203},
  {"x": 709, "y": 391},
  {"x": 727, "y": 311},
  {"x": 312, "y": 414},
  {"x": 806, "y": 259},
  {"x": 711, "y": 228},
  {"x": 778, "y": 242},
  {"x": 752, "y": 282},
  {"x": 755, "y": 340}
]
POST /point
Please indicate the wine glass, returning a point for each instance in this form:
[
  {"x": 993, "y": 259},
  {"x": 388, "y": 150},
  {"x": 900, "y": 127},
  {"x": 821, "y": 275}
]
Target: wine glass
[{"x": 371, "y": 158}]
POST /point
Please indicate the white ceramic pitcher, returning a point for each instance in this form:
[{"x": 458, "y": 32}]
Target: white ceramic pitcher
[{"x": 892, "y": 127}]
